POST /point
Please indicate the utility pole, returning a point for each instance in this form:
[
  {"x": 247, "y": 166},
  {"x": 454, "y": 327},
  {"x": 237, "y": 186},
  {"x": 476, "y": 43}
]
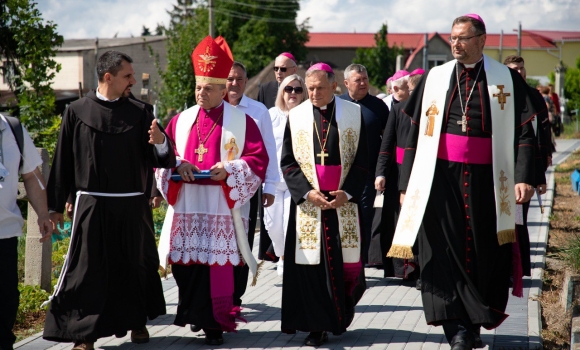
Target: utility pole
[
  {"x": 500, "y": 45},
  {"x": 519, "y": 38},
  {"x": 425, "y": 51},
  {"x": 211, "y": 20}
]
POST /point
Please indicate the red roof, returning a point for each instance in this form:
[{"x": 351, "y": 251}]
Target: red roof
[
  {"x": 355, "y": 40},
  {"x": 555, "y": 35},
  {"x": 536, "y": 39}
]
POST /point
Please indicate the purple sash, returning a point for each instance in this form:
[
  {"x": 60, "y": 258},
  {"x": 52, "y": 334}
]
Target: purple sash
[
  {"x": 328, "y": 176},
  {"x": 465, "y": 149}
]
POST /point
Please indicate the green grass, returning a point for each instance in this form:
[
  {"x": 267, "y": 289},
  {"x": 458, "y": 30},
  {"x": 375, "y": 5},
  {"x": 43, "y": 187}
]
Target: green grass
[{"x": 570, "y": 131}]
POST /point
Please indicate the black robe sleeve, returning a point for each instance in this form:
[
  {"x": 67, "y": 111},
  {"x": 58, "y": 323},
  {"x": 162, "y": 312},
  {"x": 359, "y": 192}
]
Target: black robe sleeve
[
  {"x": 62, "y": 171},
  {"x": 168, "y": 160},
  {"x": 386, "y": 152},
  {"x": 525, "y": 137},
  {"x": 413, "y": 109}
]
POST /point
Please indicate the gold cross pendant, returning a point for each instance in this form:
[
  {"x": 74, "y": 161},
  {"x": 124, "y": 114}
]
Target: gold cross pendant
[
  {"x": 322, "y": 155},
  {"x": 200, "y": 151}
]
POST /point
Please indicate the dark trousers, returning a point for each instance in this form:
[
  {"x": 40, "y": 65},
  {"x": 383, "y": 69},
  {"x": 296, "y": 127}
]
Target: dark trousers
[
  {"x": 367, "y": 214},
  {"x": 9, "y": 295}
]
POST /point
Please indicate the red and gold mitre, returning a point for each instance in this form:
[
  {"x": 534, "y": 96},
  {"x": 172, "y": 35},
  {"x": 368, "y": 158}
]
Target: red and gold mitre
[{"x": 212, "y": 61}]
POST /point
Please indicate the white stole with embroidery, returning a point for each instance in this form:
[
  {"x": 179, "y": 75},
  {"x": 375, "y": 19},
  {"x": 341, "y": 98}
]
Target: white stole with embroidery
[
  {"x": 308, "y": 216},
  {"x": 501, "y": 95}
]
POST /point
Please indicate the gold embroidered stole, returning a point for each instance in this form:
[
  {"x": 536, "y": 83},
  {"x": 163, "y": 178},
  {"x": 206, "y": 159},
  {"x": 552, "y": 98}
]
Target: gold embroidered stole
[
  {"x": 421, "y": 180},
  {"x": 308, "y": 216}
]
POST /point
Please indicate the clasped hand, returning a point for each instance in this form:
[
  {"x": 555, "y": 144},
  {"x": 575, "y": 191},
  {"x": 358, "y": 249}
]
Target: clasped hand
[{"x": 320, "y": 200}]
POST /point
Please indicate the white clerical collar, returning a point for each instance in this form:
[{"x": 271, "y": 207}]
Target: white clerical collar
[
  {"x": 473, "y": 64},
  {"x": 218, "y": 106},
  {"x": 323, "y": 108},
  {"x": 103, "y": 98}
]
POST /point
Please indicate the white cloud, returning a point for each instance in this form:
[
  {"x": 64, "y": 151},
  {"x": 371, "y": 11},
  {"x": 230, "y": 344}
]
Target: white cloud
[{"x": 104, "y": 18}]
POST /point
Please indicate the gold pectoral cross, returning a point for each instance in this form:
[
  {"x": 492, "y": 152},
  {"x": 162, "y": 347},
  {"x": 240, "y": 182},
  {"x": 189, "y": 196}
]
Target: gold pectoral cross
[
  {"x": 501, "y": 97},
  {"x": 463, "y": 123},
  {"x": 200, "y": 151},
  {"x": 322, "y": 155}
]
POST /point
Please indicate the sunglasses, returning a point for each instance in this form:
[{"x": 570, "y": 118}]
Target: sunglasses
[
  {"x": 291, "y": 89},
  {"x": 281, "y": 69}
]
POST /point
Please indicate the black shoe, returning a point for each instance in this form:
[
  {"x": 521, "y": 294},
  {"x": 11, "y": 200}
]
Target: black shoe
[
  {"x": 194, "y": 328},
  {"x": 316, "y": 338},
  {"x": 214, "y": 337},
  {"x": 418, "y": 284},
  {"x": 461, "y": 342}
]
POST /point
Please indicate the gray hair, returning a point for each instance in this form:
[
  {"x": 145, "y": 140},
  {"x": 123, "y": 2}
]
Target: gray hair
[
  {"x": 280, "y": 95},
  {"x": 110, "y": 62},
  {"x": 399, "y": 82},
  {"x": 241, "y": 66},
  {"x": 329, "y": 76},
  {"x": 355, "y": 67}
]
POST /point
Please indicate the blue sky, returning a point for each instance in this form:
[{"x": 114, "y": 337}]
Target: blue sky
[{"x": 105, "y": 18}]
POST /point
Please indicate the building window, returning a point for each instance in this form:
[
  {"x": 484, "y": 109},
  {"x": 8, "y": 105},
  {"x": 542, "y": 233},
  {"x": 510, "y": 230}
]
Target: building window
[{"x": 436, "y": 60}]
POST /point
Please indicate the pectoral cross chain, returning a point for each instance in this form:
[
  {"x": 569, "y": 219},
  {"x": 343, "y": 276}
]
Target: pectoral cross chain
[
  {"x": 200, "y": 151},
  {"x": 322, "y": 155},
  {"x": 463, "y": 123}
]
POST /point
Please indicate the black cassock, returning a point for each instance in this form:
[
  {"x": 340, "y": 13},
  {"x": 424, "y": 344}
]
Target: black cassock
[
  {"x": 112, "y": 284},
  {"x": 385, "y": 220},
  {"x": 314, "y": 297},
  {"x": 543, "y": 151},
  {"x": 465, "y": 273}
]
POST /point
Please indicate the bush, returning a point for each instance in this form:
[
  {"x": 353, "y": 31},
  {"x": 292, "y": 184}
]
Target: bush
[{"x": 31, "y": 297}]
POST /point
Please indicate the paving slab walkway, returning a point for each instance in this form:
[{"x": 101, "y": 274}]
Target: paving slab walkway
[{"x": 389, "y": 316}]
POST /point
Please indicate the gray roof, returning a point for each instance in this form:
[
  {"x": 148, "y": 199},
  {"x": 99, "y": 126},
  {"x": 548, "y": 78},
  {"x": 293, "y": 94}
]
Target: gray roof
[{"x": 89, "y": 44}]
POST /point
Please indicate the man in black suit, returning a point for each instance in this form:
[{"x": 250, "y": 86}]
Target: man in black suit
[{"x": 284, "y": 65}]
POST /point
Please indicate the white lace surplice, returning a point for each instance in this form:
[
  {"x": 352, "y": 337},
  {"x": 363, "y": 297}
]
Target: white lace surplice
[{"x": 202, "y": 228}]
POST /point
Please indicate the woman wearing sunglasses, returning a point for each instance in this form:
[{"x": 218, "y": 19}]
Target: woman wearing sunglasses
[{"x": 291, "y": 93}]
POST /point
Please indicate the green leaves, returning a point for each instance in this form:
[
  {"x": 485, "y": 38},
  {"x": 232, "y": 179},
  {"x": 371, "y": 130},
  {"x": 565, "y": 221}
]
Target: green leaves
[
  {"x": 256, "y": 30},
  {"x": 29, "y": 46},
  {"x": 380, "y": 60}
]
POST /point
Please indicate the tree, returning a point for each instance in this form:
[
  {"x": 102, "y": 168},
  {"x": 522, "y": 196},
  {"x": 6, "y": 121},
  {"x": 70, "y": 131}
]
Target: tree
[
  {"x": 178, "y": 77},
  {"x": 380, "y": 61},
  {"x": 160, "y": 29},
  {"x": 256, "y": 30},
  {"x": 259, "y": 30},
  {"x": 145, "y": 31},
  {"x": 29, "y": 47},
  {"x": 184, "y": 10},
  {"x": 572, "y": 86}
]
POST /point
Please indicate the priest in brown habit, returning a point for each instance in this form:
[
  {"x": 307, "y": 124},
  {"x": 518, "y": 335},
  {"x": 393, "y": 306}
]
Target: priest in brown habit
[
  {"x": 325, "y": 164},
  {"x": 469, "y": 159}
]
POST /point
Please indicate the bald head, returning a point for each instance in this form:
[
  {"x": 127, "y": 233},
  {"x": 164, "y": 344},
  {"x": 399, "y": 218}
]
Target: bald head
[{"x": 283, "y": 63}]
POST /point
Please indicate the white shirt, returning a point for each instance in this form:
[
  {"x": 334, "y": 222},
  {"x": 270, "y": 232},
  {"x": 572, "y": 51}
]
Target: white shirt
[
  {"x": 388, "y": 101},
  {"x": 11, "y": 220},
  {"x": 260, "y": 114},
  {"x": 279, "y": 120},
  {"x": 162, "y": 149}
]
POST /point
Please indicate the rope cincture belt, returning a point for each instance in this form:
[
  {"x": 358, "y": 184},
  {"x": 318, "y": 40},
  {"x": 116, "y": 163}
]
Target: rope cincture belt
[{"x": 67, "y": 257}]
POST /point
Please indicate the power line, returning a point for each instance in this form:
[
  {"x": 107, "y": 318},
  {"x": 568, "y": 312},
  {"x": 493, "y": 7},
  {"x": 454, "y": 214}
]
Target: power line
[
  {"x": 248, "y": 16},
  {"x": 276, "y": 8}
]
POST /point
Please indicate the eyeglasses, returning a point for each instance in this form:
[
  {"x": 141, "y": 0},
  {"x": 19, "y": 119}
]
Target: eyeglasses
[
  {"x": 293, "y": 89},
  {"x": 281, "y": 69},
  {"x": 462, "y": 39}
]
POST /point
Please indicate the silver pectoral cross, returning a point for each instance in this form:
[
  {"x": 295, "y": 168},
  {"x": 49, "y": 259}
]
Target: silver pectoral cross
[{"x": 463, "y": 123}]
